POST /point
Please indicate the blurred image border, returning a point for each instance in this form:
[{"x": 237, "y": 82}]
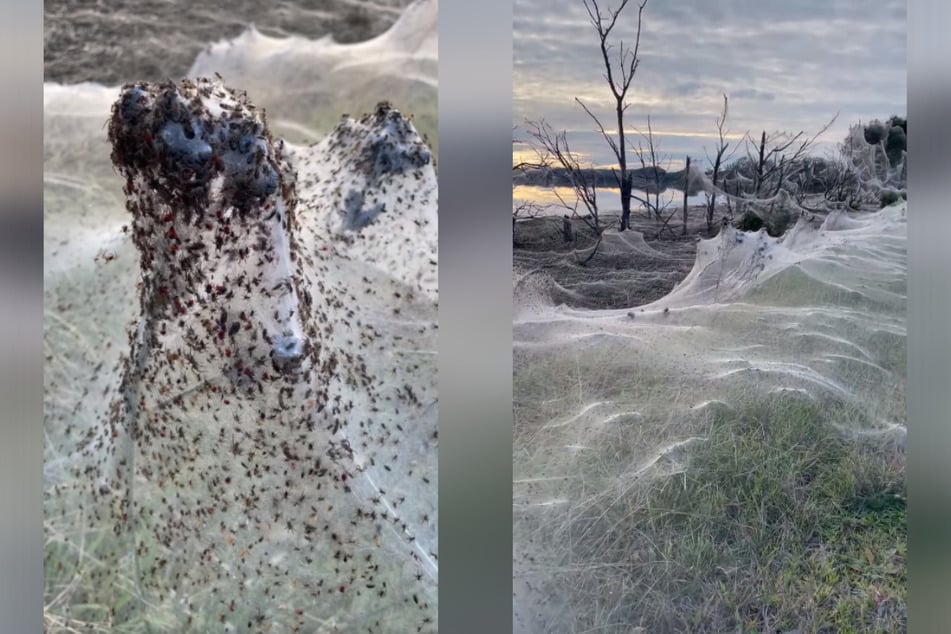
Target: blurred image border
[
  {"x": 929, "y": 316},
  {"x": 21, "y": 317},
  {"x": 475, "y": 316}
]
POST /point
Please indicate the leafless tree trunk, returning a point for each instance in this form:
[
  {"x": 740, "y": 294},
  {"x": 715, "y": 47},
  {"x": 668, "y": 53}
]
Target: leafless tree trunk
[
  {"x": 566, "y": 234},
  {"x": 686, "y": 194},
  {"x": 719, "y": 159},
  {"x": 619, "y": 77}
]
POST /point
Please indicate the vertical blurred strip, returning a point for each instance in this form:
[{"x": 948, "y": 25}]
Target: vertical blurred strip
[
  {"x": 929, "y": 317},
  {"x": 475, "y": 317},
  {"x": 21, "y": 317}
]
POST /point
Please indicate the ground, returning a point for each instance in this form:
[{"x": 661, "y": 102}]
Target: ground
[
  {"x": 152, "y": 41},
  {"x": 611, "y": 279}
]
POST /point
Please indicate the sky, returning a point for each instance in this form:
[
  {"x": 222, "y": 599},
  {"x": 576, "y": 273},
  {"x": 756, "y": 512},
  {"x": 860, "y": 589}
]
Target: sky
[{"x": 784, "y": 65}]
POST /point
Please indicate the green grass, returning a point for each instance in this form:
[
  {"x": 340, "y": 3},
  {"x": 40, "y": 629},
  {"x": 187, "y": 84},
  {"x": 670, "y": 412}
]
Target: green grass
[
  {"x": 778, "y": 524},
  {"x": 814, "y": 528}
]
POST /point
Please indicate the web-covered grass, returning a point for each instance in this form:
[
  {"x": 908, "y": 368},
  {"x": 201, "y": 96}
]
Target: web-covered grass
[{"x": 727, "y": 458}]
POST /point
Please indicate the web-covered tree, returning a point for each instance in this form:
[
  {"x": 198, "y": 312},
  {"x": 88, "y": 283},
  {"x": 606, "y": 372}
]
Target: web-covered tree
[{"x": 870, "y": 165}]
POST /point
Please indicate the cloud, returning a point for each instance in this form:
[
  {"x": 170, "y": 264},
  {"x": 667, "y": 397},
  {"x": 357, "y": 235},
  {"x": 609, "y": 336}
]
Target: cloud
[
  {"x": 686, "y": 89},
  {"x": 788, "y": 65},
  {"x": 752, "y": 93}
]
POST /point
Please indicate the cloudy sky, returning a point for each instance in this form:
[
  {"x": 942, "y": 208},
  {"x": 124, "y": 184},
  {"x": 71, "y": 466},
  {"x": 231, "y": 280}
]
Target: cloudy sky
[{"x": 785, "y": 65}]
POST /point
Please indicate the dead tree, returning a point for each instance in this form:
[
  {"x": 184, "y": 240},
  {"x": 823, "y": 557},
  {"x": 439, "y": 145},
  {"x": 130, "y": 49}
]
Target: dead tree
[
  {"x": 841, "y": 182},
  {"x": 553, "y": 148},
  {"x": 665, "y": 221},
  {"x": 777, "y": 157},
  {"x": 718, "y": 161},
  {"x": 566, "y": 234},
  {"x": 526, "y": 209},
  {"x": 651, "y": 160},
  {"x": 686, "y": 194},
  {"x": 619, "y": 76}
]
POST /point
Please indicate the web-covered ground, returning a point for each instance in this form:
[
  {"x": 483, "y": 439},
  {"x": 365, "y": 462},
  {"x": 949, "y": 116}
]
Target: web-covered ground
[
  {"x": 152, "y": 41},
  {"x": 627, "y": 269},
  {"x": 729, "y": 456},
  {"x": 296, "y": 59}
]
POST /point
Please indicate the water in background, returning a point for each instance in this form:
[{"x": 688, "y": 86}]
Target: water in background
[{"x": 547, "y": 201}]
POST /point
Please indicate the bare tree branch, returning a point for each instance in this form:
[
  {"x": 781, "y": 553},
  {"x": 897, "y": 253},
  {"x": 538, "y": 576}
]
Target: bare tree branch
[
  {"x": 651, "y": 161},
  {"x": 721, "y": 157},
  {"x": 553, "y": 147},
  {"x": 625, "y": 67}
]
